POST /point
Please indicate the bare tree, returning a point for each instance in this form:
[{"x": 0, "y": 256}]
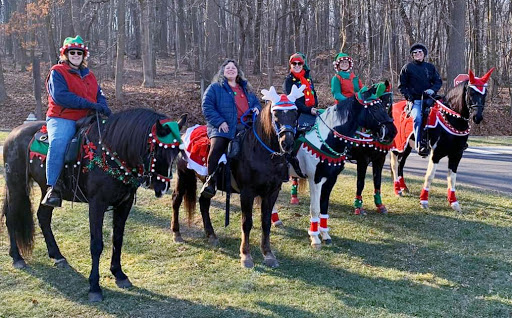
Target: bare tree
[{"x": 121, "y": 35}]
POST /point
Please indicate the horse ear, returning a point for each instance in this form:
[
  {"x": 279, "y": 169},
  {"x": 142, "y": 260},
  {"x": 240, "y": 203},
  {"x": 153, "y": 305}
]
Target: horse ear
[
  {"x": 485, "y": 78},
  {"x": 471, "y": 76},
  {"x": 182, "y": 120},
  {"x": 388, "y": 86},
  {"x": 161, "y": 130}
]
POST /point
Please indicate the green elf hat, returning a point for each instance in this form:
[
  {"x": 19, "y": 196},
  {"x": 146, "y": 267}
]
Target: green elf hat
[
  {"x": 76, "y": 43},
  {"x": 380, "y": 89},
  {"x": 299, "y": 57},
  {"x": 342, "y": 57},
  {"x": 173, "y": 139}
]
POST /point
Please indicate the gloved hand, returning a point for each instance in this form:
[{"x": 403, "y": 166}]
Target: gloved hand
[
  {"x": 103, "y": 109},
  {"x": 429, "y": 92}
]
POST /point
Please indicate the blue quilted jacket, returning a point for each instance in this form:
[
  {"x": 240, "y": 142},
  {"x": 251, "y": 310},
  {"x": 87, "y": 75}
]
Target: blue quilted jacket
[{"x": 219, "y": 106}]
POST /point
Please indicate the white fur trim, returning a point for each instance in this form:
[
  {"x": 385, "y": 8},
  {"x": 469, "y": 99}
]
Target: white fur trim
[
  {"x": 324, "y": 216},
  {"x": 314, "y": 220},
  {"x": 313, "y": 233},
  {"x": 424, "y": 202},
  {"x": 324, "y": 229}
]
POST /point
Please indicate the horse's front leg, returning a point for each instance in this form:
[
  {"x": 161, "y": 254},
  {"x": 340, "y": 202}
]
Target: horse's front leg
[
  {"x": 96, "y": 215},
  {"x": 324, "y": 207},
  {"x": 377, "y": 165},
  {"x": 120, "y": 215},
  {"x": 177, "y": 198},
  {"x": 429, "y": 177},
  {"x": 314, "y": 210},
  {"x": 44, "y": 216},
  {"x": 362, "y": 166},
  {"x": 204, "y": 206},
  {"x": 267, "y": 203},
  {"x": 453, "y": 163},
  {"x": 246, "y": 202}
]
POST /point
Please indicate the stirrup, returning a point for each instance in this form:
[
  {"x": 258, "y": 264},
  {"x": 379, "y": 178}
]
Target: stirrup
[{"x": 52, "y": 198}]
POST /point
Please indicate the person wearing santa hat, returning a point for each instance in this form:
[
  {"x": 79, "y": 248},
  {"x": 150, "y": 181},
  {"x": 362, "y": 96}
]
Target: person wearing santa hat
[{"x": 73, "y": 92}]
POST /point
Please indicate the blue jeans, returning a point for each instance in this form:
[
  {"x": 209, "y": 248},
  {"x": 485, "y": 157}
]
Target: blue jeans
[
  {"x": 417, "y": 116},
  {"x": 60, "y": 133}
]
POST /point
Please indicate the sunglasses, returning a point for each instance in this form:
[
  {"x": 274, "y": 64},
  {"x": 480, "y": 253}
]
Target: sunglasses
[
  {"x": 417, "y": 52},
  {"x": 297, "y": 63},
  {"x": 76, "y": 52}
]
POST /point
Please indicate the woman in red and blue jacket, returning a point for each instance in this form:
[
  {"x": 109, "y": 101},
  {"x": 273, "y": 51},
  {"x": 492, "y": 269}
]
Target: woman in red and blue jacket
[{"x": 73, "y": 92}]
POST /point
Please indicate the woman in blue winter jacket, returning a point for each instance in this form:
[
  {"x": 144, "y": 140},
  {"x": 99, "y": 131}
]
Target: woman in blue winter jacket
[{"x": 227, "y": 98}]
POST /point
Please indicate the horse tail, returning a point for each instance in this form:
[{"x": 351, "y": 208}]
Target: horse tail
[
  {"x": 17, "y": 208},
  {"x": 303, "y": 186}
]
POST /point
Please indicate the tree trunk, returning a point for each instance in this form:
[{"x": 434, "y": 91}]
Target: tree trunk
[
  {"x": 163, "y": 26},
  {"x": 121, "y": 10},
  {"x": 147, "y": 47},
  {"x": 456, "y": 42},
  {"x": 257, "y": 38},
  {"x": 3, "y": 92},
  {"x": 75, "y": 17},
  {"x": 212, "y": 36}
]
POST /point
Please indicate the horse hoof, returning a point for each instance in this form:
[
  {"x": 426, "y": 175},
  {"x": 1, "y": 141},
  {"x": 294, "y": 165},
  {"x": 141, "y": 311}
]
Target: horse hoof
[
  {"x": 360, "y": 211},
  {"x": 213, "y": 241},
  {"x": 382, "y": 210},
  {"x": 271, "y": 262},
  {"x": 61, "y": 263},
  {"x": 278, "y": 224},
  {"x": 177, "y": 238},
  {"x": 294, "y": 201},
  {"x": 246, "y": 262},
  {"x": 124, "y": 283},
  {"x": 456, "y": 206},
  {"x": 95, "y": 297},
  {"x": 19, "y": 264},
  {"x": 316, "y": 246},
  {"x": 327, "y": 242},
  {"x": 424, "y": 205}
]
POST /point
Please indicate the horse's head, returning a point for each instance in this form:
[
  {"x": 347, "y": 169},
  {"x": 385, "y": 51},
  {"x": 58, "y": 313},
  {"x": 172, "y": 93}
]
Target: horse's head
[
  {"x": 375, "y": 116},
  {"x": 284, "y": 115},
  {"x": 475, "y": 95},
  {"x": 165, "y": 146}
]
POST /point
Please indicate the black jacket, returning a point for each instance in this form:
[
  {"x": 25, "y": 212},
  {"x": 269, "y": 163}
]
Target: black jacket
[
  {"x": 417, "y": 77},
  {"x": 300, "y": 102}
]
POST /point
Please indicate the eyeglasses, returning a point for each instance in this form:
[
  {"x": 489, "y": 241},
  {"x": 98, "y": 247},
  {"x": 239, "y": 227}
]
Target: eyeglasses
[
  {"x": 76, "y": 52},
  {"x": 417, "y": 52},
  {"x": 297, "y": 63}
]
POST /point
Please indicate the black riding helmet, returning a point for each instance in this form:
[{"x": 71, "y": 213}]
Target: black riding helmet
[{"x": 418, "y": 46}]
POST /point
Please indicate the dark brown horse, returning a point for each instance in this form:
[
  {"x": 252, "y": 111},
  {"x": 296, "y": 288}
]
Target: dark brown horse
[
  {"x": 259, "y": 170},
  {"x": 132, "y": 147}
]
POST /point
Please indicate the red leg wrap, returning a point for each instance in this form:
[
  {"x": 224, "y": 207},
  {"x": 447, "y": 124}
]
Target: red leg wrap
[
  {"x": 424, "y": 195},
  {"x": 451, "y": 196},
  {"x": 274, "y": 217}
]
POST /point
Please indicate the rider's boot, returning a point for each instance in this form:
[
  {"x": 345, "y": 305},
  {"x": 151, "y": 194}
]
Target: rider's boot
[
  {"x": 209, "y": 187},
  {"x": 53, "y": 196}
]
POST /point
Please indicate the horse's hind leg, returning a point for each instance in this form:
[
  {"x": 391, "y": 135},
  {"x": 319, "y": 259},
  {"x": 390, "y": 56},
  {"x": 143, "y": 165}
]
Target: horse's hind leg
[
  {"x": 177, "y": 198},
  {"x": 204, "y": 206},
  {"x": 377, "y": 165},
  {"x": 119, "y": 221},
  {"x": 246, "y": 202},
  {"x": 44, "y": 216},
  {"x": 267, "y": 204},
  {"x": 453, "y": 163},
  {"x": 429, "y": 177}
]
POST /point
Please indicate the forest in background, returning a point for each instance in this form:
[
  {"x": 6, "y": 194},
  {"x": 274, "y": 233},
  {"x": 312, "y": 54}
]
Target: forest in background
[{"x": 190, "y": 38}]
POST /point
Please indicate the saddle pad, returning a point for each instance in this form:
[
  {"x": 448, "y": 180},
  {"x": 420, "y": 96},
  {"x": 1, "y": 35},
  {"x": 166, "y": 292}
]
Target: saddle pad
[
  {"x": 39, "y": 145},
  {"x": 404, "y": 126},
  {"x": 197, "y": 147}
]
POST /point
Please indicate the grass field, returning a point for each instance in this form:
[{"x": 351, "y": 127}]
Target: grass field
[{"x": 409, "y": 263}]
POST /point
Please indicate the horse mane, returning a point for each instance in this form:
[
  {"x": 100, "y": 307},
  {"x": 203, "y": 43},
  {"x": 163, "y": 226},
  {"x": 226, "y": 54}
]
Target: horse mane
[
  {"x": 127, "y": 134},
  {"x": 344, "y": 109},
  {"x": 264, "y": 125},
  {"x": 454, "y": 98}
]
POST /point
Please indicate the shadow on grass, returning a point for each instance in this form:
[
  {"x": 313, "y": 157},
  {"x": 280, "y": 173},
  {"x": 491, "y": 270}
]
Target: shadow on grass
[{"x": 132, "y": 302}]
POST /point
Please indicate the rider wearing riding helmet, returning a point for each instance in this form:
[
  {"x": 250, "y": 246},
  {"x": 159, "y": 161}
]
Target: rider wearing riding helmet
[
  {"x": 419, "y": 79},
  {"x": 344, "y": 84},
  {"x": 73, "y": 92},
  {"x": 300, "y": 75}
]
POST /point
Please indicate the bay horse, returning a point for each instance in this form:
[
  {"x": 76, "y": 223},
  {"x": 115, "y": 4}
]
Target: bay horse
[
  {"x": 258, "y": 170},
  {"x": 448, "y": 128},
  {"x": 367, "y": 150},
  {"x": 128, "y": 149},
  {"x": 323, "y": 150}
]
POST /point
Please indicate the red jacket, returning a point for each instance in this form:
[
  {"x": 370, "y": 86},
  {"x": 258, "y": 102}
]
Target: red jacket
[{"x": 85, "y": 88}]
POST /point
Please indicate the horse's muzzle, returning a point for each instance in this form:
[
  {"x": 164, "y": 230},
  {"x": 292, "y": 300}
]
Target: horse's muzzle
[
  {"x": 286, "y": 142},
  {"x": 386, "y": 133}
]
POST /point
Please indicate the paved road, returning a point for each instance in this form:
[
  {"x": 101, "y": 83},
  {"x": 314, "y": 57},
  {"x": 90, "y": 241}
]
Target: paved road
[{"x": 483, "y": 167}]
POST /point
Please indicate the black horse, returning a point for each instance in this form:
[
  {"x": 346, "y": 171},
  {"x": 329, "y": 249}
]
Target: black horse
[
  {"x": 371, "y": 150},
  {"x": 131, "y": 147},
  {"x": 448, "y": 131},
  {"x": 259, "y": 170}
]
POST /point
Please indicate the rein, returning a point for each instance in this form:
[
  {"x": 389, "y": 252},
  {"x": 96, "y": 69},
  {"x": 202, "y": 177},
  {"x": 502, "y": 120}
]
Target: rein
[{"x": 284, "y": 128}]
